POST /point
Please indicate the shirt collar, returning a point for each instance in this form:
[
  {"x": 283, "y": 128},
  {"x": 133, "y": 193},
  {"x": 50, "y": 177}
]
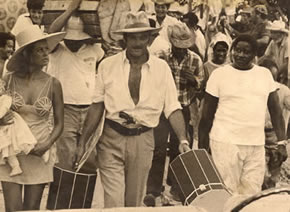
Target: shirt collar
[
  {"x": 186, "y": 55},
  {"x": 148, "y": 63}
]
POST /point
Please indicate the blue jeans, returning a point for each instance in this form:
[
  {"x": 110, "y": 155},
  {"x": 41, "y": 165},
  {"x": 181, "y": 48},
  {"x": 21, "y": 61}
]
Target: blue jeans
[{"x": 74, "y": 118}]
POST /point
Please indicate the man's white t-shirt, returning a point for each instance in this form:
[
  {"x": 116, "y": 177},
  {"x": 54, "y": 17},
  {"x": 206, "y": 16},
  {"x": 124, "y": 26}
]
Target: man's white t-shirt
[{"x": 243, "y": 96}]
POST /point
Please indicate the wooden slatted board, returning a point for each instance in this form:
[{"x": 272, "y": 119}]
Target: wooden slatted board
[{"x": 87, "y": 11}]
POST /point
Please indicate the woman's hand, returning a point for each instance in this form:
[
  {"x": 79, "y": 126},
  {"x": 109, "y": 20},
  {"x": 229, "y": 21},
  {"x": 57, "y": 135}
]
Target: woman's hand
[
  {"x": 7, "y": 119},
  {"x": 41, "y": 148}
]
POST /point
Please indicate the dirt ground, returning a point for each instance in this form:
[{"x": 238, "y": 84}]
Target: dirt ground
[{"x": 98, "y": 201}]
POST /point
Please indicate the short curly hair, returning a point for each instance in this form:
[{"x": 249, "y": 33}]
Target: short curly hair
[
  {"x": 4, "y": 36},
  {"x": 35, "y": 4},
  {"x": 247, "y": 38}
]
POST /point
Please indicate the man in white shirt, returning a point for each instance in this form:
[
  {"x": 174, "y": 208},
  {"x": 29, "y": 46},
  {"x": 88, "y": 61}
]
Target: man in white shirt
[
  {"x": 73, "y": 63},
  {"x": 233, "y": 118},
  {"x": 162, "y": 19},
  {"x": 128, "y": 89},
  {"x": 34, "y": 16}
]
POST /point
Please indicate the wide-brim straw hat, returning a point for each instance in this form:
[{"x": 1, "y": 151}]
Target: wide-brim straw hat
[
  {"x": 278, "y": 26},
  {"x": 246, "y": 10},
  {"x": 29, "y": 36},
  {"x": 176, "y": 7},
  {"x": 180, "y": 35},
  {"x": 137, "y": 22},
  {"x": 162, "y": 2},
  {"x": 74, "y": 29}
]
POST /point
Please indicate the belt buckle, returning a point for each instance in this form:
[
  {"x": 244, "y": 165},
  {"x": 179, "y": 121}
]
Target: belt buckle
[{"x": 139, "y": 130}]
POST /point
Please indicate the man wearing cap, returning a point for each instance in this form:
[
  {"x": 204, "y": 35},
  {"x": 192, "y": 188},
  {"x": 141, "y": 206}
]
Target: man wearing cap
[
  {"x": 162, "y": 19},
  {"x": 188, "y": 73},
  {"x": 278, "y": 48},
  {"x": 74, "y": 64},
  {"x": 242, "y": 23},
  {"x": 128, "y": 89}
]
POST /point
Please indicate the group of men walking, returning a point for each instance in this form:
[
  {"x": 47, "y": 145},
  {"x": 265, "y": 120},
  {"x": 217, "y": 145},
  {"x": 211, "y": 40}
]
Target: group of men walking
[{"x": 147, "y": 96}]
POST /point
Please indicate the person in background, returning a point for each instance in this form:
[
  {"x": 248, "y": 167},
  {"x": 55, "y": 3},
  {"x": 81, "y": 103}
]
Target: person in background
[
  {"x": 162, "y": 19},
  {"x": 7, "y": 45},
  {"x": 34, "y": 95},
  {"x": 176, "y": 10},
  {"x": 278, "y": 49},
  {"x": 160, "y": 48},
  {"x": 199, "y": 46},
  {"x": 259, "y": 30},
  {"x": 128, "y": 89},
  {"x": 220, "y": 49},
  {"x": 233, "y": 118},
  {"x": 188, "y": 73},
  {"x": 158, "y": 45},
  {"x": 33, "y": 17},
  {"x": 242, "y": 23},
  {"x": 74, "y": 63},
  {"x": 273, "y": 158}
]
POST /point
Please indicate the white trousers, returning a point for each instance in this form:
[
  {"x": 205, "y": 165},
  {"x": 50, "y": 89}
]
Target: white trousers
[{"x": 242, "y": 167}]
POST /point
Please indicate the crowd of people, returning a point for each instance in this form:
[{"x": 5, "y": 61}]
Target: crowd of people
[{"x": 174, "y": 84}]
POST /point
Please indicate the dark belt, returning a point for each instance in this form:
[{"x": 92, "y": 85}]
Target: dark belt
[
  {"x": 126, "y": 131},
  {"x": 78, "y": 106}
]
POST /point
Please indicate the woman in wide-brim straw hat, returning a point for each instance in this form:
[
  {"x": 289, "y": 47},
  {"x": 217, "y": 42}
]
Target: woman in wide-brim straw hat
[{"x": 34, "y": 94}]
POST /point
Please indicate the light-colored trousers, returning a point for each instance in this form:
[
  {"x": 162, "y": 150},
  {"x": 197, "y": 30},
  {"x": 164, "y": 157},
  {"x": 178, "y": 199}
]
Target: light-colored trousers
[
  {"x": 241, "y": 167},
  {"x": 124, "y": 163},
  {"x": 67, "y": 144}
]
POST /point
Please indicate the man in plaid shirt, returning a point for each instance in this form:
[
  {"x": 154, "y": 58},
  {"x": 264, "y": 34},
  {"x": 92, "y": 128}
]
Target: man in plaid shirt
[{"x": 188, "y": 73}]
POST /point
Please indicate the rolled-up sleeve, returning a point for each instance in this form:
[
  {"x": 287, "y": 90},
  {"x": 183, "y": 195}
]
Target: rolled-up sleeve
[
  {"x": 171, "y": 99},
  {"x": 99, "y": 91},
  {"x": 199, "y": 73}
]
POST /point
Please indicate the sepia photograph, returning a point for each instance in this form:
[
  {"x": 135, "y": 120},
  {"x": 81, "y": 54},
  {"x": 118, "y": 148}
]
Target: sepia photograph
[{"x": 144, "y": 105}]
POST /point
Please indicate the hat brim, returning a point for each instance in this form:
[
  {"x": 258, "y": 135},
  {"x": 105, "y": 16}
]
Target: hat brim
[
  {"x": 138, "y": 29},
  {"x": 162, "y": 3},
  {"x": 52, "y": 40},
  {"x": 183, "y": 44},
  {"x": 277, "y": 29},
  {"x": 77, "y": 35}
]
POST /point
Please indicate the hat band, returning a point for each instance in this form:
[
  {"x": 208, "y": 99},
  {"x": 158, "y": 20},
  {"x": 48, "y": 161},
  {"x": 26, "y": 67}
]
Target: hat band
[{"x": 136, "y": 25}]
